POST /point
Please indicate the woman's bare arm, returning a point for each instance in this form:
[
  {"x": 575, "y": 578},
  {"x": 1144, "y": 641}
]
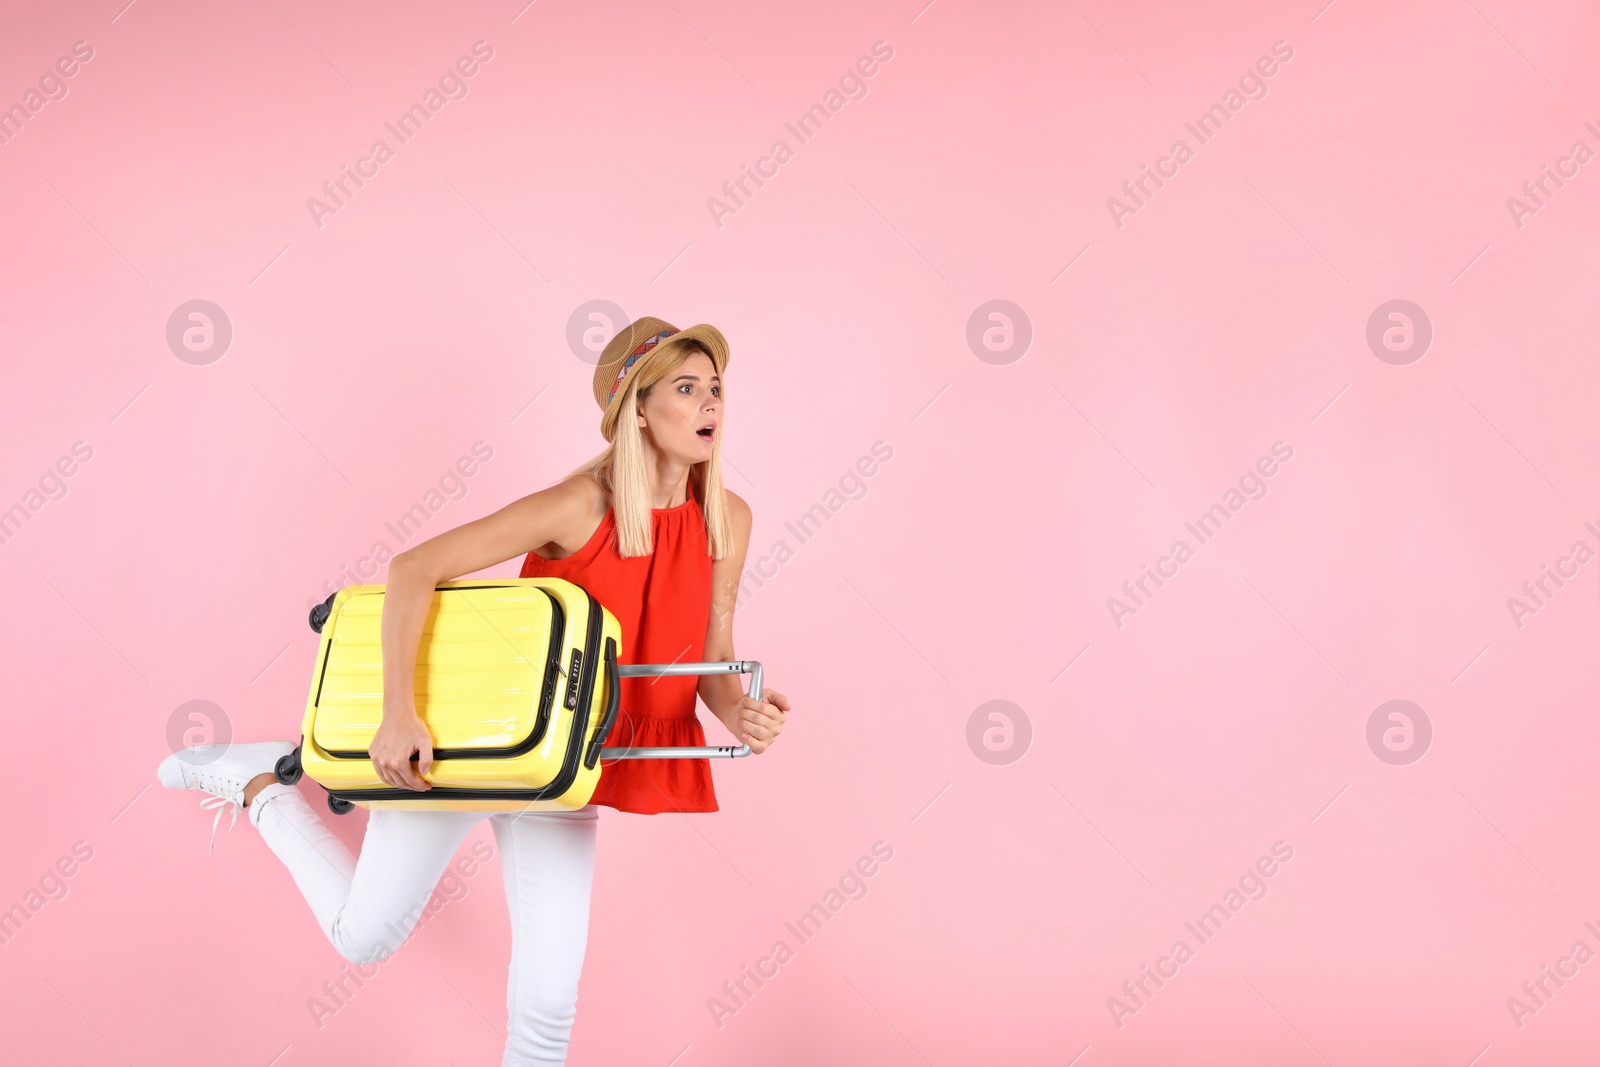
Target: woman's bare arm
[
  {"x": 752, "y": 722},
  {"x": 555, "y": 514}
]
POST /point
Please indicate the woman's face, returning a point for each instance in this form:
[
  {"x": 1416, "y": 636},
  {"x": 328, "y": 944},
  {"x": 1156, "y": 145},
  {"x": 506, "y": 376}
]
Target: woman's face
[{"x": 683, "y": 413}]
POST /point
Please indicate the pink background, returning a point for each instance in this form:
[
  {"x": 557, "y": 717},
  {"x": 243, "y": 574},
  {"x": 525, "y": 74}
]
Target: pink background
[{"x": 1227, "y": 314}]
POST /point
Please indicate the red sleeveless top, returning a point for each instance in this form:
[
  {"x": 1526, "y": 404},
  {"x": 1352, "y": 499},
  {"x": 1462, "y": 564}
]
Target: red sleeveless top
[{"x": 663, "y": 602}]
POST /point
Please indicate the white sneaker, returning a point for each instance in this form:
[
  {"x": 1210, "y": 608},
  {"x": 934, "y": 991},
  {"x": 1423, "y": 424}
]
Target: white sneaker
[{"x": 222, "y": 771}]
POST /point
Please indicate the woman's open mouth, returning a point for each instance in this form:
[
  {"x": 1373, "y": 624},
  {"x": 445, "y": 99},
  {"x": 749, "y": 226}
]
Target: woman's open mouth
[{"x": 706, "y": 433}]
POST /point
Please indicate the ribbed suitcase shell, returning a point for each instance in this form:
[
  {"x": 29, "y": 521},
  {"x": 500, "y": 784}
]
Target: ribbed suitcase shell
[{"x": 511, "y": 679}]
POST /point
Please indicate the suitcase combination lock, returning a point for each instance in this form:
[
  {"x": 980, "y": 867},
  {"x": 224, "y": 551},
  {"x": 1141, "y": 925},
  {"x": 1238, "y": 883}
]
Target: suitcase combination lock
[{"x": 574, "y": 675}]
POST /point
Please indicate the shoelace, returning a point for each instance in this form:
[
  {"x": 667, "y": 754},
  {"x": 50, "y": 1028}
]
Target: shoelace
[{"x": 221, "y": 804}]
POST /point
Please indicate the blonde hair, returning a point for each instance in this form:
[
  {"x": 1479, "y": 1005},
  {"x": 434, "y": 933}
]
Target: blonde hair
[{"x": 620, "y": 469}]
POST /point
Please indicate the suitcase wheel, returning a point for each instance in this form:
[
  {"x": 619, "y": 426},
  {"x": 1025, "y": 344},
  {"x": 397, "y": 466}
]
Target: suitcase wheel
[
  {"x": 288, "y": 770},
  {"x": 338, "y": 805},
  {"x": 320, "y": 613}
]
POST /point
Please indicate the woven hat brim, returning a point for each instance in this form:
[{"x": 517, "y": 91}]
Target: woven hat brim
[{"x": 705, "y": 333}]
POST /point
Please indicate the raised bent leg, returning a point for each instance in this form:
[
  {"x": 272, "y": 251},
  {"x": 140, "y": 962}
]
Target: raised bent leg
[
  {"x": 547, "y": 859},
  {"x": 367, "y": 907}
]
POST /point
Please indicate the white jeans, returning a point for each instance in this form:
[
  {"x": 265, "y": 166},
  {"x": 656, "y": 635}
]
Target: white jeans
[{"x": 367, "y": 907}]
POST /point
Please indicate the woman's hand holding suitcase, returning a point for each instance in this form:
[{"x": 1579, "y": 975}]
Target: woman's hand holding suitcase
[{"x": 401, "y": 733}]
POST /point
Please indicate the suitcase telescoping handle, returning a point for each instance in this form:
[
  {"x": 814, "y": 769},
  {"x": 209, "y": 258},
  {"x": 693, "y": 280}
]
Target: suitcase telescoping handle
[{"x": 615, "y": 672}]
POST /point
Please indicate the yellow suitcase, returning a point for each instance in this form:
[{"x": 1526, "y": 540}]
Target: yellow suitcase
[{"x": 516, "y": 679}]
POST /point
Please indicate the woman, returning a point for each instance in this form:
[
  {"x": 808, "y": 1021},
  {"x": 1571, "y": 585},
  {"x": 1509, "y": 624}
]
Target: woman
[{"x": 648, "y": 529}]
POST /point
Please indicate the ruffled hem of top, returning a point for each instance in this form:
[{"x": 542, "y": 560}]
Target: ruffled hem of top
[{"x": 653, "y": 787}]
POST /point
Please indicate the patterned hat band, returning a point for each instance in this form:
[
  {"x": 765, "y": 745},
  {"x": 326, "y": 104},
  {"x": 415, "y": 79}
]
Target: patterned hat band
[{"x": 634, "y": 357}]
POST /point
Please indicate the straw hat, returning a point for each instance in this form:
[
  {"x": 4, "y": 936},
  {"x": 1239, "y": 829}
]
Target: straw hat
[{"x": 626, "y": 352}]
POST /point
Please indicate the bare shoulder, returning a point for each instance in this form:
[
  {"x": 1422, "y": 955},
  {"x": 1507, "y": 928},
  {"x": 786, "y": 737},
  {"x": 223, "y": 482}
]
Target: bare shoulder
[
  {"x": 738, "y": 511},
  {"x": 740, "y": 519},
  {"x": 576, "y": 504},
  {"x": 582, "y": 492}
]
